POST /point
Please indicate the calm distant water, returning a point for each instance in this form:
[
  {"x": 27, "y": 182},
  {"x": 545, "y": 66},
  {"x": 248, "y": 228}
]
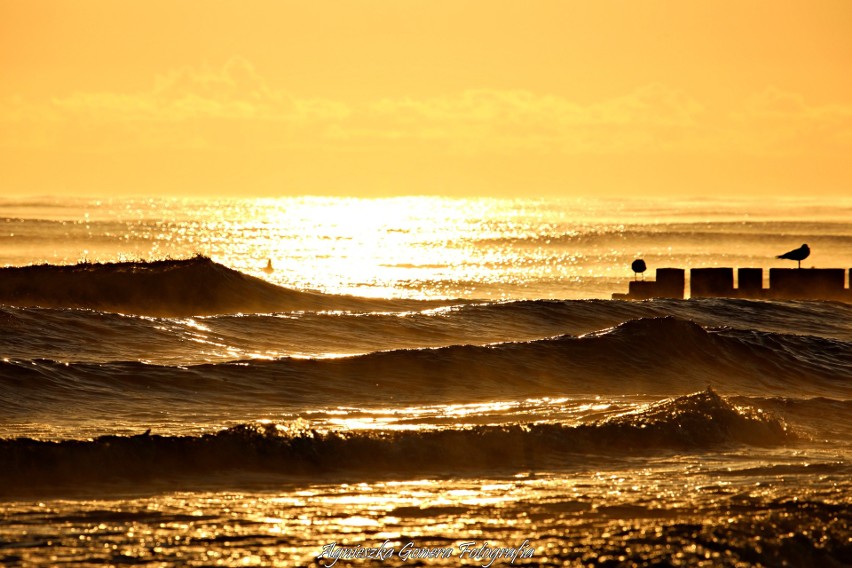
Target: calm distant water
[{"x": 484, "y": 391}]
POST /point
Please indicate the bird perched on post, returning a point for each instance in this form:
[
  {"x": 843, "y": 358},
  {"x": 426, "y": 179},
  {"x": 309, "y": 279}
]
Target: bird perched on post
[
  {"x": 798, "y": 254},
  {"x": 638, "y": 267}
]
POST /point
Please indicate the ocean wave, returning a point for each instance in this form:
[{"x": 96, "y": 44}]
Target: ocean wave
[
  {"x": 653, "y": 356},
  {"x": 694, "y": 422},
  {"x": 83, "y": 335},
  {"x": 826, "y": 234},
  {"x": 195, "y": 286}
]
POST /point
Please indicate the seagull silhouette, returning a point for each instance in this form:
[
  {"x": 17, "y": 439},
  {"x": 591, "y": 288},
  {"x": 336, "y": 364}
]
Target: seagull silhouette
[
  {"x": 798, "y": 254},
  {"x": 638, "y": 267}
]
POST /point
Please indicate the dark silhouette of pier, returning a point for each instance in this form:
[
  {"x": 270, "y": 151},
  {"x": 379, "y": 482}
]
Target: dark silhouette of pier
[{"x": 784, "y": 284}]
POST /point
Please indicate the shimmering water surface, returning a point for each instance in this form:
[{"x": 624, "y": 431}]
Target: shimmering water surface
[
  {"x": 430, "y": 247},
  {"x": 425, "y": 373}
]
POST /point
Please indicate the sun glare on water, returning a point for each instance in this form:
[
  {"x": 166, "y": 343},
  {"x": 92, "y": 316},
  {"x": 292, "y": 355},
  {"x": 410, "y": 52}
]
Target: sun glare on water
[
  {"x": 430, "y": 247},
  {"x": 364, "y": 246},
  {"x": 408, "y": 247}
]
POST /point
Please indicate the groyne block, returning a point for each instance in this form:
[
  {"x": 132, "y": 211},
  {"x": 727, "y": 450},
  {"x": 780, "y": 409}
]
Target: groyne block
[
  {"x": 711, "y": 282},
  {"x": 642, "y": 290},
  {"x": 670, "y": 283},
  {"x": 750, "y": 282},
  {"x": 807, "y": 283}
]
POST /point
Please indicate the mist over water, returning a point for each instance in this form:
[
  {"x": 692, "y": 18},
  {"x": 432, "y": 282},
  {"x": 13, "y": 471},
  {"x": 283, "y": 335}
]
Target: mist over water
[{"x": 417, "y": 370}]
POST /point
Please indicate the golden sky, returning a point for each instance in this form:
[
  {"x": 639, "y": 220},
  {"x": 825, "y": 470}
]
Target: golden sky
[{"x": 455, "y": 97}]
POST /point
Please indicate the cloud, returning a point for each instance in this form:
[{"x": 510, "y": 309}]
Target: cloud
[
  {"x": 233, "y": 107},
  {"x": 233, "y": 92},
  {"x": 188, "y": 107},
  {"x": 782, "y": 122},
  {"x": 492, "y": 120},
  {"x": 653, "y": 104}
]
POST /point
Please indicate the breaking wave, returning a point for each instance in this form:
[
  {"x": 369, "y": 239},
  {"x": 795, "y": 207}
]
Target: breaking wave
[{"x": 690, "y": 423}]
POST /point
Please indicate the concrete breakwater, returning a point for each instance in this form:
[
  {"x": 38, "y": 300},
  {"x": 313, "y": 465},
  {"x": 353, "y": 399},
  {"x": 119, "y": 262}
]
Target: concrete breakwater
[{"x": 784, "y": 284}]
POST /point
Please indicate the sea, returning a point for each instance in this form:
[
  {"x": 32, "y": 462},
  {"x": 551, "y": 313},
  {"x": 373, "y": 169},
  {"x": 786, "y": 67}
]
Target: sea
[{"x": 417, "y": 381}]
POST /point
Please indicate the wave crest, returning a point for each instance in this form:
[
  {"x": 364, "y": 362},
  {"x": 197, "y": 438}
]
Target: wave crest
[
  {"x": 690, "y": 423},
  {"x": 185, "y": 287}
]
